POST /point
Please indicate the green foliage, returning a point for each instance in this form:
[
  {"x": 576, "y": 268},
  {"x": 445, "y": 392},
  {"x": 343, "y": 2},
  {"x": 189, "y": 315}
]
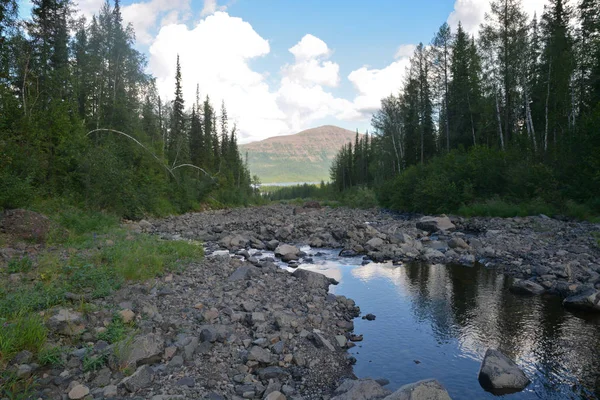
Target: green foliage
[
  {"x": 94, "y": 363},
  {"x": 25, "y": 332},
  {"x": 499, "y": 208},
  {"x": 15, "y": 388},
  {"x": 359, "y": 197},
  {"x": 51, "y": 356},
  {"x": 19, "y": 264},
  {"x": 115, "y": 331}
]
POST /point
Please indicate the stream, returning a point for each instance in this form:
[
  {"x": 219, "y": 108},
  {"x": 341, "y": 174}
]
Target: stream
[{"x": 436, "y": 321}]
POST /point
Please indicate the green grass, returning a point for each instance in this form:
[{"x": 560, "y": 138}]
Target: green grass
[
  {"x": 94, "y": 363},
  {"x": 25, "y": 332},
  {"x": 19, "y": 264},
  {"x": 51, "y": 356},
  {"x": 115, "y": 331}
]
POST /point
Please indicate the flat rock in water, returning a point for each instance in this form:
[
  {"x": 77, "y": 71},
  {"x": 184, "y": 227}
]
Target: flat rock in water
[
  {"x": 361, "y": 389},
  {"x": 428, "y": 389},
  {"x": 500, "y": 375},
  {"x": 589, "y": 300},
  {"x": 314, "y": 279},
  {"x": 287, "y": 252},
  {"x": 522, "y": 286}
]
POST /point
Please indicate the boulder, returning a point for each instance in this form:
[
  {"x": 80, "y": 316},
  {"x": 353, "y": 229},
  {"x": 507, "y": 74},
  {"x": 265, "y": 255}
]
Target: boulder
[
  {"x": 26, "y": 225},
  {"x": 522, "y": 286},
  {"x": 428, "y": 389},
  {"x": 500, "y": 375},
  {"x": 271, "y": 373},
  {"x": 78, "y": 392},
  {"x": 242, "y": 273},
  {"x": 434, "y": 224},
  {"x": 362, "y": 389},
  {"x": 588, "y": 300},
  {"x": 140, "y": 379},
  {"x": 276, "y": 395},
  {"x": 66, "y": 322},
  {"x": 314, "y": 279},
  {"x": 145, "y": 349},
  {"x": 375, "y": 244},
  {"x": 287, "y": 252},
  {"x": 234, "y": 242}
]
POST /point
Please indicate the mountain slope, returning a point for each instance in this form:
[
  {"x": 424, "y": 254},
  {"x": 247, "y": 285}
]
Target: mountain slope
[{"x": 303, "y": 157}]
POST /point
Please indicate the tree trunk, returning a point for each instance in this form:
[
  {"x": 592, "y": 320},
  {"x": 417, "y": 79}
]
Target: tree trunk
[
  {"x": 547, "y": 101},
  {"x": 499, "y": 120}
]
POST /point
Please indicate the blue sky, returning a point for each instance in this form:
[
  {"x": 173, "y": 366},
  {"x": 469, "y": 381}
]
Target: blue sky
[{"x": 282, "y": 66}]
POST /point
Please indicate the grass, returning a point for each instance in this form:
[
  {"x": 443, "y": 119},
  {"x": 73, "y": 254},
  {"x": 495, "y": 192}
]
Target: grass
[{"x": 87, "y": 254}]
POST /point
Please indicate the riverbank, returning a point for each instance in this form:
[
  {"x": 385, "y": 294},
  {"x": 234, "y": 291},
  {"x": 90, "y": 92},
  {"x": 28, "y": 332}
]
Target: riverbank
[{"x": 226, "y": 327}]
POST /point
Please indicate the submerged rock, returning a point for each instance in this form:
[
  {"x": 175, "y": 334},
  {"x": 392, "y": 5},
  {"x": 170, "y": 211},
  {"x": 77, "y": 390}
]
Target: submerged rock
[
  {"x": 522, "y": 286},
  {"x": 500, "y": 375},
  {"x": 428, "y": 389},
  {"x": 589, "y": 300}
]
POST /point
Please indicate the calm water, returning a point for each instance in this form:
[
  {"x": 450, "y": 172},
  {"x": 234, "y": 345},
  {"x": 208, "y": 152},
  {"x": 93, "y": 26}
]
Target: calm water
[{"x": 437, "y": 321}]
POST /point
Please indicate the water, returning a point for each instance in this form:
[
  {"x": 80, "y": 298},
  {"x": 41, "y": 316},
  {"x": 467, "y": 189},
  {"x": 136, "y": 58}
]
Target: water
[{"x": 437, "y": 322}]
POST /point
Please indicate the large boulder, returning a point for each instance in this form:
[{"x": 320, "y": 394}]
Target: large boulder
[
  {"x": 145, "y": 349},
  {"x": 25, "y": 225},
  {"x": 434, "y": 224},
  {"x": 362, "y": 389},
  {"x": 428, "y": 389},
  {"x": 140, "y": 379},
  {"x": 522, "y": 286},
  {"x": 588, "y": 300},
  {"x": 314, "y": 279},
  {"x": 500, "y": 375},
  {"x": 66, "y": 322},
  {"x": 234, "y": 242},
  {"x": 287, "y": 252}
]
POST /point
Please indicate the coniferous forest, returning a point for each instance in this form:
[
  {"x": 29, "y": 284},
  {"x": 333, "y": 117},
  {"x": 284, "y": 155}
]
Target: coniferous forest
[
  {"x": 511, "y": 116},
  {"x": 82, "y": 120}
]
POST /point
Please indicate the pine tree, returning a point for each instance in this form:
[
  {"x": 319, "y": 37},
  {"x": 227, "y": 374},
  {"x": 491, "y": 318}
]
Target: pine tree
[
  {"x": 442, "y": 48},
  {"x": 178, "y": 144}
]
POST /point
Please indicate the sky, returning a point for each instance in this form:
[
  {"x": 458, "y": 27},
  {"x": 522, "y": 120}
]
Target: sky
[{"x": 282, "y": 66}]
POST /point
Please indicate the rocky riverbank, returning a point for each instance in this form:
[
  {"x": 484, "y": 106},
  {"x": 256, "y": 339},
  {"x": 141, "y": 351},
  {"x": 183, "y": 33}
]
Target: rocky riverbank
[{"x": 235, "y": 325}]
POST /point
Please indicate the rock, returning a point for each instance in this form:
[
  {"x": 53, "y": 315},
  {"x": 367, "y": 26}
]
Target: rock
[
  {"x": 176, "y": 362},
  {"x": 522, "y": 286},
  {"x": 186, "y": 381},
  {"x": 341, "y": 340},
  {"x": 127, "y": 315},
  {"x": 362, "y": 389},
  {"x": 287, "y": 252},
  {"x": 242, "y": 273},
  {"x": 234, "y": 241},
  {"x": 110, "y": 391},
  {"x": 22, "y": 357},
  {"x": 272, "y": 244},
  {"x": 24, "y": 371},
  {"x": 140, "y": 379},
  {"x": 369, "y": 317},
  {"x": 26, "y": 225},
  {"x": 588, "y": 300},
  {"x": 500, "y": 375},
  {"x": 78, "y": 392},
  {"x": 271, "y": 373},
  {"x": 313, "y": 279},
  {"x": 428, "y": 389},
  {"x": 103, "y": 378},
  {"x": 276, "y": 395},
  {"x": 434, "y": 224},
  {"x": 321, "y": 341},
  {"x": 259, "y": 354},
  {"x": 375, "y": 244},
  {"x": 348, "y": 253},
  {"x": 145, "y": 349},
  {"x": 145, "y": 226},
  {"x": 467, "y": 260},
  {"x": 458, "y": 243},
  {"x": 66, "y": 322}
]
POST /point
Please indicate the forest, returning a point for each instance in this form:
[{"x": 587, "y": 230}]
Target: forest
[
  {"x": 507, "y": 119},
  {"x": 82, "y": 121}
]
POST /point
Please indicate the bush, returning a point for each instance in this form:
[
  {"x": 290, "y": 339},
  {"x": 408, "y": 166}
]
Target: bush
[{"x": 359, "y": 197}]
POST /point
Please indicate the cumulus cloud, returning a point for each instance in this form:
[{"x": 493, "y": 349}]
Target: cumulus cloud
[
  {"x": 144, "y": 16},
  {"x": 210, "y": 7},
  {"x": 471, "y": 13},
  {"x": 310, "y": 66}
]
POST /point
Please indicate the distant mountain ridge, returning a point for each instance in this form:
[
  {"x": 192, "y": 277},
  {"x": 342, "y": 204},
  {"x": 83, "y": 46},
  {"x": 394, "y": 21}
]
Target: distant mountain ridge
[{"x": 303, "y": 157}]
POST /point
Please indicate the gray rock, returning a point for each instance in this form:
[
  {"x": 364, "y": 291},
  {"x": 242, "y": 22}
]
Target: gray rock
[
  {"x": 24, "y": 371},
  {"x": 186, "y": 381},
  {"x": 272, "y": 244},
  {"x": 500, "y": 375},
  {"x": 434, "y": 224},
  {"x": 287, "y": 252},
  {"x": 22, "y": 357},
  {"x": 588, "y": 300},
  {"x": 428, "y": 389},
  {"x": 110, "y": 391},
  {"x": 457, "y": 243},
  {"x": 78, "y": 392},
  {"x": 362, "y": 389},
  {"x": 321, "y": 341},
  {"x": 259, "y": 354},
  {"x": 103, "y": 378},
  {"x": 467, "y": 260},
  {"x": 271, "y": 373},
  {"x": 140, "y": 379},
  {"x": 522, "y": 286},
  {"x": 276, "y": 395},
  {"x": 313, "y": 279},
  {"x": 145, "y": 349},
  {"x": 234, "y": 241},
  {"x": 242, "y": 273},
  {"x": 176, "y": 362},
  {"x": 375, "y": 244},
  {"x": 66, "y": 322}
]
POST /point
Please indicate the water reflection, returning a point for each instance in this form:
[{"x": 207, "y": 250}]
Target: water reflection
[{"x": 437, "y": 321}]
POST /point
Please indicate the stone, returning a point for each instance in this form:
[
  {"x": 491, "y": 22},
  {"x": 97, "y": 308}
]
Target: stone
[
  {"x": 287, "y": 252},
  {"x": 24, "y": 371},
  {"x": 428, "y": 389},
  {"x": 234, "y": 241},
  {"x": 434, "y": 224},
  {"x": 276, "y": 395},
  {"x": 522, "y": 286},
  {"x": 500, "y": 375},
  {"x": 242, "y": 273},
  {"x": 186, "y": 381},
  {"x": 259, "y": 354},
  {"x": 175, "y": 362},
  {"x": 321, "y": 341},
  {"x": 66, "y": 322},
  {"x": 375, "y": 244},
  {"x": 110, "y": 391},
  {"x": 313, "y": 279},
  {"x": 362, "y": 389},
  {"x": 79, "y": 392},
  {"x": 22, "y": 357},
  {"x": 341, "y": 340},
  {"x": 588, "y": 300},
  {"x": 458, "y": 243},
  {"x": 26, "y": 225},
  {"x": 103, "y": 378},
  {"x": 145, "y": 349},
  {"x": 127, "y": 315},
  {"x": 271, "y": 373},
  {"x": 140, "y": 379},
  {"x": 369, "y": 317},
  {"x": 272, "y": 244},
  {"x": 467, "y": 260}
]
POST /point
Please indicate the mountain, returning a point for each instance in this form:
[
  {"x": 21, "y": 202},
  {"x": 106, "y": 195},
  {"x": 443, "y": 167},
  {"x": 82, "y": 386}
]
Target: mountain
[{"x": 303, "y": 157}]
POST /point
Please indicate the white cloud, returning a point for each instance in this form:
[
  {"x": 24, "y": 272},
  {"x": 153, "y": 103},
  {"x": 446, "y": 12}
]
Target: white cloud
[
  {"x": 210, "y": 7},
  {"x": 375, "y": 84},
  {"x": 471, "y": 13},
  {"x": 89, "y": 7},
  {"x": 310, "y": 67},
  {"x": 405, "y": 50},
  {"x": 144, "y": 16}
]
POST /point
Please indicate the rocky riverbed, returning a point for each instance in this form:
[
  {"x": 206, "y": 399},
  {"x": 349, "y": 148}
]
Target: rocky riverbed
[{"x": 235, "y": 325}]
